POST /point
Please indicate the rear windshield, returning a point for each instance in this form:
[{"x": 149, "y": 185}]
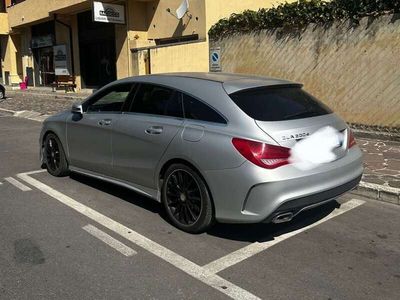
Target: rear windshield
[{"x": 279, "y": 103}]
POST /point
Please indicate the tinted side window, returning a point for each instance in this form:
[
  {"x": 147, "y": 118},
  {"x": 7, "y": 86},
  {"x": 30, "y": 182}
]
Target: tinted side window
[
  {"x": 279, "y": 103},
  {"x": 112, "y": 100},
  {"x": 157, "y": 100},
  {"x": 197, "y": 110}
]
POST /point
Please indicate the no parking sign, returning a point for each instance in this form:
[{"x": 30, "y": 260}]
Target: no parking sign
[{"x": 215, "y": 59}]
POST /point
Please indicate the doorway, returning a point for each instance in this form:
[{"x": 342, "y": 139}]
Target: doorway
[
  {"x": 45, "y": 64},
  {"x": 97, "y": 51}
]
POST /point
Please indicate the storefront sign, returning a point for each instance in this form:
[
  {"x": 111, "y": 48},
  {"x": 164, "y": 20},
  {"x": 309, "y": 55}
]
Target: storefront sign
[
  {"x": 61, "y": 61},
  {"x": 215, "y": 60},
  {"x": 108, "y": 13},
  {"x": 42, "y": 41}
]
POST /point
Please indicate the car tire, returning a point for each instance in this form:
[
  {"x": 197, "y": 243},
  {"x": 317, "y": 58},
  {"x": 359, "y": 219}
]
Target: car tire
[
  {"x": 54, "y": 156},
  {"x": 186, "y": 199},
  {"x": 2, "y": 93}
]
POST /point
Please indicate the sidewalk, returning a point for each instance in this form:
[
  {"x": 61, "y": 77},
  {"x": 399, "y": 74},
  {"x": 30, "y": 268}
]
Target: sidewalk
[
  {"x": 381, "y": 179},
  {"x": 40, "y": 100}
]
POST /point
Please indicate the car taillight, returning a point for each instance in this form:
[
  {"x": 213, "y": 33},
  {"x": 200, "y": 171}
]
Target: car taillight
[
  {"x": 350, "y": 139},
  {"x": 263, "y": 155}
]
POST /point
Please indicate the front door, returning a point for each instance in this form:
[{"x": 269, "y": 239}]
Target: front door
[
  {"x": 46, "y": 66},
  {"x": 90, "y": 134},
  {"x": 97, "y": 50},
  {"x": 144, "y": 132}
]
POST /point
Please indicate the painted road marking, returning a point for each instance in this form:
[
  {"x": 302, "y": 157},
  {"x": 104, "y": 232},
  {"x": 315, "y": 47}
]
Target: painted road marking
[
  {"x": 35, "y": 172},
  {"x": 255, "y": 248},
  {"x": 109, "y": 240},
  {"x": 180, "y": 262},
  {"x": 18, "y": 184}
]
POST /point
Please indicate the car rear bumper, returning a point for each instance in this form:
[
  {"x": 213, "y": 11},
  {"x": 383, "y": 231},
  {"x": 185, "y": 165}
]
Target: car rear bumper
[
  {"x": 251, "y": 194},
  {"x": 298, "y": 205}
]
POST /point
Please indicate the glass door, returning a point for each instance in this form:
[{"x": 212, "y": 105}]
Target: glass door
[{"x": 46, "y": 66}]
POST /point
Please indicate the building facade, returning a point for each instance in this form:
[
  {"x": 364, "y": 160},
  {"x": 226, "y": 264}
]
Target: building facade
[{"x": 100, "y": 41}]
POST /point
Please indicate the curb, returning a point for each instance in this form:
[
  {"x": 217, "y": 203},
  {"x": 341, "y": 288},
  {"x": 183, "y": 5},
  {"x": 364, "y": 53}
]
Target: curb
[
  {"x": 370, "y": 190},
  {"x": 11, "y": 112},
  {"x": 26, "y": 114},
  {"x": 378, "y": 192},
  {"x": 363, "y": 134},
  {"x": 55, "y": 95}
]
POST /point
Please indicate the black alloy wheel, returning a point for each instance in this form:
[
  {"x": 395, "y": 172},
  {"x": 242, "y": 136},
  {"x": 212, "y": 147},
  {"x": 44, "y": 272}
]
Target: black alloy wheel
[
  {"x": 186, "y": 199},
  {"x": 54, "y": 156},
  {"x": 183, "y": 197}
]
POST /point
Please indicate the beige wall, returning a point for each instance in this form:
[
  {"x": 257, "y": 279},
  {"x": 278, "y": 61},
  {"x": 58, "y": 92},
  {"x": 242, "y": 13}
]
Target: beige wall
[
  {"x": 4, "y": 29},
  {"x": 218, "y": 9},
  {"x": 354, "y": 70},
  {"x": 162, "y": 24},
  {"x": 181, "y": 58},
  {"x": 193, "y": 56},
  {"x": 76, "y": 58},
  {"x": 122, "y": 51},
  {"x": 13, "y": 58},
  {"x": 33, "y": 10},
  {"x": 147, "y": 20},
  {"x": 26, "y": 58}
]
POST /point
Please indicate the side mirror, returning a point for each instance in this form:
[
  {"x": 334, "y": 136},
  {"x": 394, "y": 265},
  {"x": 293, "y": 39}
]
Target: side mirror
[{"x": 77, "y": 108}]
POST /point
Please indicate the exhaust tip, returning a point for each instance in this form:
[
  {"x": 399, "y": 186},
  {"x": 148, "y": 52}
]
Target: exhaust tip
[{"x": 283, "y": 218}]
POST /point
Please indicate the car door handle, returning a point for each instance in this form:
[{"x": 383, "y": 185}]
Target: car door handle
[
  {"x": 154, "y": 130},
  {"x": 105, "y": 122}
]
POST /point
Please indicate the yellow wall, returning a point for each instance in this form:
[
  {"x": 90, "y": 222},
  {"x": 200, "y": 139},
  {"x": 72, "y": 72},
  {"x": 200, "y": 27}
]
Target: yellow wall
[
  {"x": 11, "y": 58},
  {"x": 146, "y": 21},
  {"x": 162, "y": 24},
  {"x": 218, "y": 9},
  {"x": 7, "y": 52},
  {"x": 76, "y": 58},
  {"x": 122, "y": 51},
  {"x": 27, "y": 59},
  {"x": 194, "y": 57},
  {"x": 4, "y": 23},
  {"x": 181, "y": 58},
  {"x": 33, "y": 10}
]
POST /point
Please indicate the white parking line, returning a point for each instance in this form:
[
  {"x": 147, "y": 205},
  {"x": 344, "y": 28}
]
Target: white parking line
[
  {"x": 254, "y": 248},
  {"x": 109, "y": 240},
  {"x": 180, "y": 262},
  {"x": 35, "y": 172},
  {"x": 18, "y": 184}
]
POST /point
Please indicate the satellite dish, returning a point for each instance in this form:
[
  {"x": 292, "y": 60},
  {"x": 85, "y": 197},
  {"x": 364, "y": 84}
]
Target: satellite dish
[{"x": 182, "y": 9}]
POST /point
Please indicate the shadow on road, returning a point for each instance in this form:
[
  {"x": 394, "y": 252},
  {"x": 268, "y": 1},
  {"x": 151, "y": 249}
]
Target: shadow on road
[
  {"x": 262, "y": 232},
  {"x": 119, "y": 192},
  {"x": 240, "y": 232}
]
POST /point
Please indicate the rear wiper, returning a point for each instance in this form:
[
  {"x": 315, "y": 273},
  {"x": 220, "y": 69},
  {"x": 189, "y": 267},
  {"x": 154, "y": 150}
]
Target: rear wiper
[{"x": 308, "y": 113}]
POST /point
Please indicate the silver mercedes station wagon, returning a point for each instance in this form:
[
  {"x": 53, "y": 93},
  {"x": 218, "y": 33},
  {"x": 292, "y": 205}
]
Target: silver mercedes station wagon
[{"x": 208, "y": 146}]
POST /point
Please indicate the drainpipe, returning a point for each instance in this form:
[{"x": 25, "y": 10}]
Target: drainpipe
[{"x": 71, "y": 48}]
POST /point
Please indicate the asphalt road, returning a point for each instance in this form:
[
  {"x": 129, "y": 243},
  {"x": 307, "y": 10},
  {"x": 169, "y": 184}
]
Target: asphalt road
[{"x": 79, "y": 238}]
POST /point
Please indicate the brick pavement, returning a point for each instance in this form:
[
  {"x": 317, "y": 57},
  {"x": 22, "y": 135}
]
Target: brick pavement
[
  {"x": 381, "y": 161},
  {"x": 45, "y": 103}
]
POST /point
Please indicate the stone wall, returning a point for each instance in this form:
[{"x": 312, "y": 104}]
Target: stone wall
[{"x": 354, "y": 69}]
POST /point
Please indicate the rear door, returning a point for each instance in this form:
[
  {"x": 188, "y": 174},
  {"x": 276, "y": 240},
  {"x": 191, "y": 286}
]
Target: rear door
[
  {"x": 144, "y": 132},
  {"x": 90, "y": 134}
]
